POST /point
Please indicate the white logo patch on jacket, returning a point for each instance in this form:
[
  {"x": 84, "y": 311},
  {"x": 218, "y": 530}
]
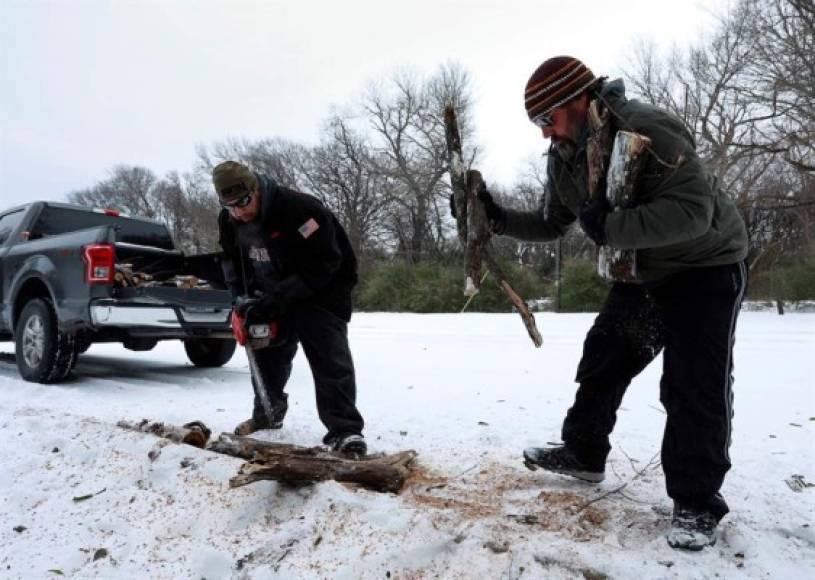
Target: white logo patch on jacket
[
  {"x": 308, "y": 228},
  {"x": 259, "y": 254}
]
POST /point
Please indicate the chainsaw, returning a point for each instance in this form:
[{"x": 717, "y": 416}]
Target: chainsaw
[
  {"x": 253, "y": 337},
  {"x": 256, "y": 335}
]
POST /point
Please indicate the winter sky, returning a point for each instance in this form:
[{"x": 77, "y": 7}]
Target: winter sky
[{"x": 88, "y": 84}]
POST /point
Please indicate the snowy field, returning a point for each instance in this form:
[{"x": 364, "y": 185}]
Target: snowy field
[{"x": 468, "y": 393}]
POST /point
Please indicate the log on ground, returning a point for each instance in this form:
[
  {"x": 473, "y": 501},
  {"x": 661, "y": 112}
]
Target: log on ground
[
  {"x": 286, "y": 462},
  {"x": 295, "y": 464}
]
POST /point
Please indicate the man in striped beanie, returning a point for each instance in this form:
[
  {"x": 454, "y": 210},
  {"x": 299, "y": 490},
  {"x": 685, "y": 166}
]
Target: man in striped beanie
[
  {"x": 690, "y": 244},
  {"x": 556, "y": 97}
]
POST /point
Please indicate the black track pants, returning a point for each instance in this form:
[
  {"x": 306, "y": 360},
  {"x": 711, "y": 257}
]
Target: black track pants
[
  {"x": 324, "y": 338},
  {"x": 692, "y": 316}
]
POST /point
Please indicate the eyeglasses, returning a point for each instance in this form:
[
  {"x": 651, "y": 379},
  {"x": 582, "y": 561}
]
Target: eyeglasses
[
  {"x": 543, "y": 121},
  {"x": 241, "y": 202}
]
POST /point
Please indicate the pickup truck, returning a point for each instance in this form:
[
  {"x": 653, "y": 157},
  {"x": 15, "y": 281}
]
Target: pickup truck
[{"x": 71, "y": 276}]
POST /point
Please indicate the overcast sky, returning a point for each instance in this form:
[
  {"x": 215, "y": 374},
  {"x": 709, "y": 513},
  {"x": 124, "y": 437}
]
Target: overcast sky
[{"x": 87, "y": 84}]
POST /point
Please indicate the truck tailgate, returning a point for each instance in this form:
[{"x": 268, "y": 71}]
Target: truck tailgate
[{"x": 190, "y": 309}]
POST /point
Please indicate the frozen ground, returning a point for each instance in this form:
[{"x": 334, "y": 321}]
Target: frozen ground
[{"x": 468, "y": 392}]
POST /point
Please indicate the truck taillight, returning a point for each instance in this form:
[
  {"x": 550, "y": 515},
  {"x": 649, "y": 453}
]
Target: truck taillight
[
  {"x": 108, "y": 211},
  {"x": 99, "y": 263}
]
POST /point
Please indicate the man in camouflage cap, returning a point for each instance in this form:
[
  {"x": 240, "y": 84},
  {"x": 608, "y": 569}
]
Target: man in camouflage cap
[
  {"x": 286, "y": 248},
  {"x": 690, "y": 244}
]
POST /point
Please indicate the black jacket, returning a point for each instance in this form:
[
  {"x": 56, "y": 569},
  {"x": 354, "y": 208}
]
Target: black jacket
[{"x": 296, "y": 249}]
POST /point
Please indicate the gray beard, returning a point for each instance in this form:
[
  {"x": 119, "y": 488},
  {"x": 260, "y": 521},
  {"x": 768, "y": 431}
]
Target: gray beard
[{"x": 565, "y": 148}]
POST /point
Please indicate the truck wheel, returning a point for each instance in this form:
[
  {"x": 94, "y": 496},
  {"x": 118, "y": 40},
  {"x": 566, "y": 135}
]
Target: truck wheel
[
  {"x": 209, "y": 352},
  {"x": 44, "y": 354}
]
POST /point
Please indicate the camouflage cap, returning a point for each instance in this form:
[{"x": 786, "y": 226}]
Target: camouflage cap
[{"x": 233, "y": 180}]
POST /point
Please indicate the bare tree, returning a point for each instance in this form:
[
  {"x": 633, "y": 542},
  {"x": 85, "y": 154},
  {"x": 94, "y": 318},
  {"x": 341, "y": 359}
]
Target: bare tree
[
  {"x": 277, "y": 158},
  {"x": 201, "y": 211},
  {"x": 782, "y": 71},
  {"x": 409, "y": 150},
  {"x": 128, "y": 188},
  {"x": 747, "y": 92},
  {"x": 341, "y": 172},
  {"x": 187, "y": 209}
]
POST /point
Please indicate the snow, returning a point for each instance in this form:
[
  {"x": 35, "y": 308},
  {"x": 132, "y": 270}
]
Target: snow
[{"x": 468, "y": 393}]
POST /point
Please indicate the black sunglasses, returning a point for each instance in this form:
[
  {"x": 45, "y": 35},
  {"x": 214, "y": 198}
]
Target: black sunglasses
[{"x": 543, "y": 121}]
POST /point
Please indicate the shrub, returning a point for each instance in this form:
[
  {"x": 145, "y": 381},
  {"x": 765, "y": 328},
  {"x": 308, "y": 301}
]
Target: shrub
[
  {"x": 430, "y": 287},
  {"x": 582, "y": 288},
  {"x": 790, "y": 282}
]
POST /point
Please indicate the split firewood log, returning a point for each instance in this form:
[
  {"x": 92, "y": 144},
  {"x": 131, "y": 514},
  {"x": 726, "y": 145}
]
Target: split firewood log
[{"x": 614, "y": 165}]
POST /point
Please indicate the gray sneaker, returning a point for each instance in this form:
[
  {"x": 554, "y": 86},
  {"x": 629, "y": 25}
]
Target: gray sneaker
[
  {"x": 562, "y": 460},
  {"x": 352, "y": 445},
  {"x": 692, "y": 529}
]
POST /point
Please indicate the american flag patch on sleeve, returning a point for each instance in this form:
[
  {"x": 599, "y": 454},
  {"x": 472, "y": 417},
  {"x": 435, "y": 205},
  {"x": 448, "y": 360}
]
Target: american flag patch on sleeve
[{"x": 308, "y": 228}]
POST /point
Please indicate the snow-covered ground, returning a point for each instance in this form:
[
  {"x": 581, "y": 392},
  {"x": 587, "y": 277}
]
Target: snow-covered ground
[{"x": 468, "y": 393}]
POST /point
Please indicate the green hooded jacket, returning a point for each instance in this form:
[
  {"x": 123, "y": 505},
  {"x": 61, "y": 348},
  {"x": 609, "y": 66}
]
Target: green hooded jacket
[{"x": 679, "y": 219}]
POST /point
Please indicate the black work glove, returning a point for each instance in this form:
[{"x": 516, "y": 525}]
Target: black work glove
[
  {"x": 495, "y": 213},
  {"x": 593, "y": 219},
  {"x": 259, "y": 310}
]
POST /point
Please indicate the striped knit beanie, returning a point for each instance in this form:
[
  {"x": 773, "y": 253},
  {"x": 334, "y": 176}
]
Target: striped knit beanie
[{"x": 556, "y": 81}]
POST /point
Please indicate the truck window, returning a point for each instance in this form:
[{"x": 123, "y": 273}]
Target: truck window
[
  {"x": 59, "y": 220},
  {"x": 8, "y": 223}
]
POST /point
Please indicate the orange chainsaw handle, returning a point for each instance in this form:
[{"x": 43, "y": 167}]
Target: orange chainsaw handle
[
  {"x": 241, "y": 333},
  {"x": 238, "y": 324}
]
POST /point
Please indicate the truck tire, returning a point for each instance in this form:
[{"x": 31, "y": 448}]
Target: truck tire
[
  {"x": 209, "y": 352},
  {"x": 44, "y": 354}
]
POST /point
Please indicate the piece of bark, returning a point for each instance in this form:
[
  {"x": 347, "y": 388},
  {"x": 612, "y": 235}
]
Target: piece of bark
[
  {"x": 478, "y": 234},
  {"x": 194, "y": 433},
  {"x": 598, "y": 149},
  {"x": 624, "y": 168}
]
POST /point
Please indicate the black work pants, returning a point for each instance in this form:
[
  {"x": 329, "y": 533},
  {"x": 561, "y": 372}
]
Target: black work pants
[
  {"x": 324, "y": 337},
  {"x": 692, "y": 317}
]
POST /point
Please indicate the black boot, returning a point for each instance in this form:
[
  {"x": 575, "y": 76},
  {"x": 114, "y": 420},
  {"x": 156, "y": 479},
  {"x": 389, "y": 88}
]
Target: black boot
[
  {"x": 692, "y": 529},
  {"x": 563, "y": 460}
]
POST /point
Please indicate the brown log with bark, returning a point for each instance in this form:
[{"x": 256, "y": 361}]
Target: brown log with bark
[
  {"x": 458, "y": 183},
  {"x": 289, "y": 463},
  {"x": 473, "y": 226},
  {"x": 387, "y": 475},
  {"x": 295, "y": 464}
]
